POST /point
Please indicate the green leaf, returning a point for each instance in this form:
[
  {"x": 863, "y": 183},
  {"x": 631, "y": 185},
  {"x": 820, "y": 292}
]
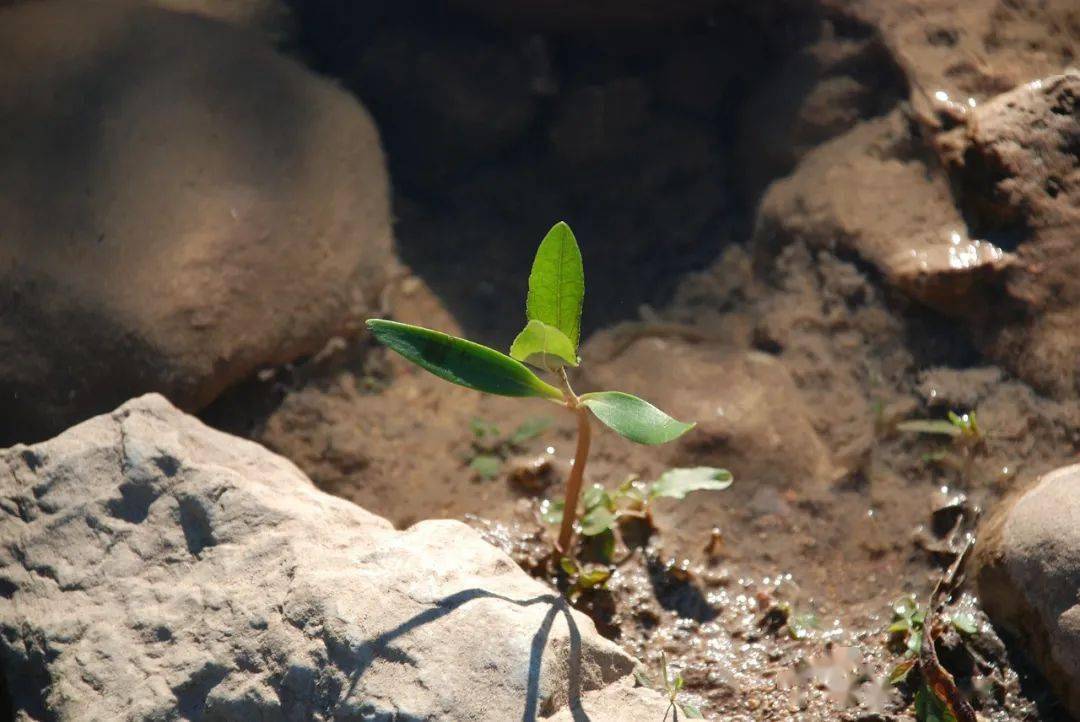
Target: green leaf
[
  {"x": 552, "y": 511},
  {"x": 530, "y": 429},
  {"x": 461, "y": 362},
  {"x": 930, "y": 708},
  {"x": 690, "y": 711},
  {"x": 597, "y": 521},
  {"x": 930, "y": 426},
  {"x": 481, "y": 428},
  {"x": 486, "y": 465},
  {"x": 595, "y": 496},
  {"x": 634, "y": 418},
  {"x": 593, "y": 577},
  {"x": 544, "y": 346},
  {"x": 800, "y": 625},
  {"x": 557, "y": 283},
  {"x": 901, "y": 671},
  {"x": 569, "y": 566},
  {"x": 965, "y": 623},
  {"x": 677, "y": 483},
  {"x": 643, "y": 679}
]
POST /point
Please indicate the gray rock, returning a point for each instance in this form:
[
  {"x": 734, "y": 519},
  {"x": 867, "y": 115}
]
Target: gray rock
[
  {"x": 179, "y": 206},
  {"x": 1027, "y": 568},
  {"x": 153, "y": 568}
]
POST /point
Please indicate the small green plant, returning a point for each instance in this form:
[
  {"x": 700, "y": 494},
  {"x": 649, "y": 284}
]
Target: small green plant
[
  {"x": 963, "y": 427},
  {"x": 671, "y": 686},
  {"x": 633, "y": 498},
  {"x": 964, "y": 431},
  {"x": 549, "y": 342},
  {"x": 490, "y": 447}
]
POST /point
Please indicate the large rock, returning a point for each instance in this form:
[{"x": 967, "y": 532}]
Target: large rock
[
  {"x": 1027, "y": 567},
  {"x": 873, "y": 193},
  {"x": 152, "y": 568},
  {"x": 1017, "y": 164},
  {"x": 178, "y": 207},
  {"x": 270, "y": 17}
]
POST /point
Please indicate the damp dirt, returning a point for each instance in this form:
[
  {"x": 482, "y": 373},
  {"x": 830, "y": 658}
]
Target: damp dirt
[{"x": 772, "y": 598}]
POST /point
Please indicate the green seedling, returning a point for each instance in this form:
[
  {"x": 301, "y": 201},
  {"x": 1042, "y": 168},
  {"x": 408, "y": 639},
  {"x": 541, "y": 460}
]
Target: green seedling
[
  {"x": 548, "y": 342},
  {"x": 962, "y": 427},
  {"x": 671, "y": 686},
  {"x": 964, "y": 431},
  {"x": 490, "y": 447},
  {"x": 907, "y": 628},
  {"x": 602, "y": 509},
  {"x": 583, "y": 577}
]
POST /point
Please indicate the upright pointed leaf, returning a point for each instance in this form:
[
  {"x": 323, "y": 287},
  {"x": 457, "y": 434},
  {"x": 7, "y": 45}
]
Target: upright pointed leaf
[
  {"x": 634, "y": 418},
  {"x": 557, "y": 283},
  {"x": 543, "y": 346},
  {"x": 461, "y": 362}
]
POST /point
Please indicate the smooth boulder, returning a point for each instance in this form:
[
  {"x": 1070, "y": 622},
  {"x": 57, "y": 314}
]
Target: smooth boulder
[
  {"x": 1027, "y": 570},
  {"x": 179, "y": 206},
  {"x": 153, "y": 568}
]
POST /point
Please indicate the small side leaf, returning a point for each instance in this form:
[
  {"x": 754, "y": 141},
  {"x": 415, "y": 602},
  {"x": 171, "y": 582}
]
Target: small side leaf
[
  {"x": 552, "y": 511},
  {"x": 690, "y": 711},
  {"x": 931, "y": 708},
  {"x": 597, "y": 521},
  {"x": 486, "y": 465},
  {"x": 677, "y": 483},
  {"x": 634, "y": 418},
  {"x": 557, "y": 283},
  {"x": 461, "y": 362},
  {"x": 530, "y": 429},
  {"x": 929, "y": 426},
  {"x": 593, "y": 577},
  {"x": 543, "y": 346}
]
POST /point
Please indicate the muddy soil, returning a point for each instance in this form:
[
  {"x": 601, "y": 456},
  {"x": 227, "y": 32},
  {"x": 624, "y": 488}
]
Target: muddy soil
[
  {"x": 773, "y": 597},
  {"x": 833, "y": 551}
]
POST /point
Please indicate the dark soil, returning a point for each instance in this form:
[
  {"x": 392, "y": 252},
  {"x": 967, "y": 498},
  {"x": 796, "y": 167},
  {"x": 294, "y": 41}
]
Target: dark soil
[{"x": 784, "y": 615}]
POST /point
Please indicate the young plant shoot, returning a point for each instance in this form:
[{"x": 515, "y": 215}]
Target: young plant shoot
[{"x": 549, "y": 342}]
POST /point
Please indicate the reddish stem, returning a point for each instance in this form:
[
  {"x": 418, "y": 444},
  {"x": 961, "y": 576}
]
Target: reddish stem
[{"x": 573, "y": 484}]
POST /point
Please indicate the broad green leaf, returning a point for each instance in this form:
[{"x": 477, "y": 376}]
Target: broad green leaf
[
  {"x": 543, "y": 346},
  {"x": 634, "y": 418},
  {"x": 461, "y": 362},
  {"x": 486, "y": 465},
  {"x": 930, "y": 426},
  {"x": 597, "y": 521},
  {"x": 530, "y": 429},
  {"x": 677, "y": 483},
  {"x": 557, "y": 283}
]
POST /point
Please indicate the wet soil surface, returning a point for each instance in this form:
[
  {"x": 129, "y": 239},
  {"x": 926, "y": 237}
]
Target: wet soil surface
[{"x": 773, "y": 598}]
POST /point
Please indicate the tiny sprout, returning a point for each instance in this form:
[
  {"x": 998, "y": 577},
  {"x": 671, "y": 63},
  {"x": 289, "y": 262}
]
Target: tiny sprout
[
  {"x": 490, "y": 447},
  {"x": 671, "y": 686},
  {"x": 957, "y": 426},
  {"x": 602, "y": 510},
  {"x": 549, "y": 342}
]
